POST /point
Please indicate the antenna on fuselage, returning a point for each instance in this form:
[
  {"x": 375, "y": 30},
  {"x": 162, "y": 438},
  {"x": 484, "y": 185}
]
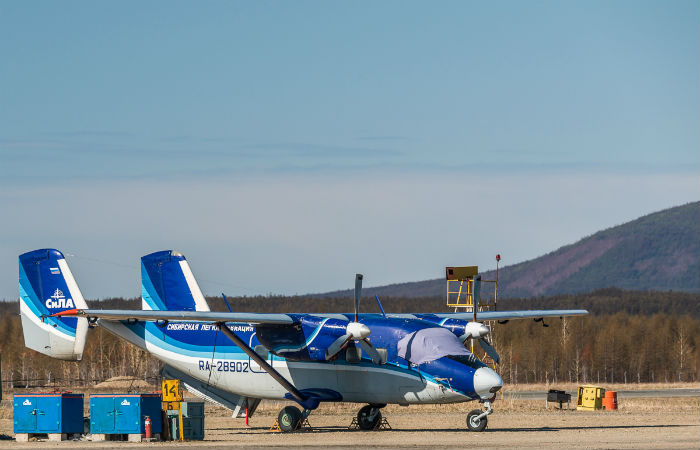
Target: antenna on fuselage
[
  {"x": 226, "y": 300},
  {"x": 380, "y": 305}
]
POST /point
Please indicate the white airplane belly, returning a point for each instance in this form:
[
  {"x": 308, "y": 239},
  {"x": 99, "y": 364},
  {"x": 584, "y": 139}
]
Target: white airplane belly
[{"x": 360, "y": 383}]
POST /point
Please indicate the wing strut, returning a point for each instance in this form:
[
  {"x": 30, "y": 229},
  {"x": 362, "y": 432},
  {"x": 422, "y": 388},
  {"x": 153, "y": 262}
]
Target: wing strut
[{"x": 303, "y": 400}]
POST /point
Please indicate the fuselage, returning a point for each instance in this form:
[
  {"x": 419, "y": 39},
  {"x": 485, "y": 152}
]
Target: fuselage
[{"x": 203, "y": 352}]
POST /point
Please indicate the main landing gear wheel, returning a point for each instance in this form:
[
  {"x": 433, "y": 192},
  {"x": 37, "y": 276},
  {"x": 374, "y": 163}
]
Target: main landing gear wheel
[
  {"x": 475, "y": 422},
  {"x": 368, "y": 417},
  {"x": 289, "y": 418}
]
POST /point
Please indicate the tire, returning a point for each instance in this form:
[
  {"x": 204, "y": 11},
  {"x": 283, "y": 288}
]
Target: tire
[
  {"x": 288, "y": 418},
  {"x": 474, "y": 424},
  {"x": 364, "y": 421}
]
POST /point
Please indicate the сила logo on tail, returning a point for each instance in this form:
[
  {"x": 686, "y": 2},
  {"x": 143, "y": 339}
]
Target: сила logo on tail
[{"x": 58, "y": 300}]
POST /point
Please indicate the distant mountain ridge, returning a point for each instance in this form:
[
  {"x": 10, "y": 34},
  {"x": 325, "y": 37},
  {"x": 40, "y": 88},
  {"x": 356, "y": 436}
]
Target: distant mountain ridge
[{"x": 659, "y": 251}]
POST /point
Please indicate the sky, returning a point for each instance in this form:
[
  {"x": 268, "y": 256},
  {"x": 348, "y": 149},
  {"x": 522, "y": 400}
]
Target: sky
[{"x": 285, "y": 146}]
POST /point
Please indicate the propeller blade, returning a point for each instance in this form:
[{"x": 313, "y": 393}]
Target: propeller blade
[
  {"x": 337, "y": 346},
  {"x": 358, "y": 293},
  {"x": 476, "y": 292},
  {"x": 488, "y": 348},
  {"x": 371, "y": 351}
]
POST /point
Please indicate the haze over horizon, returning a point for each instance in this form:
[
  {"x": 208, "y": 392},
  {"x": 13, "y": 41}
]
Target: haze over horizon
[{"x": 283, "y": 147}]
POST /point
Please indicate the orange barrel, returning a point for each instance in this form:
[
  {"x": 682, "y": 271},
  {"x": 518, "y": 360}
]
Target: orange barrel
[{"x": 610, "y": 400}]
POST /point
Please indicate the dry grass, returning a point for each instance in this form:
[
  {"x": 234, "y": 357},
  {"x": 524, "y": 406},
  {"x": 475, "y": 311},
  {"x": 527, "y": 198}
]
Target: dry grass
[
  {"x": 572, "y": 387},
  {"x": 124, "y": 383}
]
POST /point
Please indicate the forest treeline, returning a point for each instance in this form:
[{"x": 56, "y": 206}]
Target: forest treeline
[{"x": 630, "y": 336}]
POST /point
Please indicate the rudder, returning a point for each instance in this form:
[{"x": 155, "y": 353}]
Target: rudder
[
  {"x": 167, "y": 283},
  {"x": 47, "y": 286}
]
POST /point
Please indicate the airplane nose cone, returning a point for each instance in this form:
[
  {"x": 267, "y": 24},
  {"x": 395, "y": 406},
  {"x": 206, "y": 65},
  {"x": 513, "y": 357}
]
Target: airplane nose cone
[{"x": 487, "y": 382}]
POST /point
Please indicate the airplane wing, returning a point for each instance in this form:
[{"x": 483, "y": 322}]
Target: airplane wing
[
  {"x": 508, "y": 315},
  {"x": 284, "y": 319},
  {"x": 193, "y": 316}
]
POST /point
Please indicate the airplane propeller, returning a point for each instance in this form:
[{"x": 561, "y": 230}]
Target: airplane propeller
[
  {"x": 355, "y": 331},
  {"x": 477, "y": 330}
]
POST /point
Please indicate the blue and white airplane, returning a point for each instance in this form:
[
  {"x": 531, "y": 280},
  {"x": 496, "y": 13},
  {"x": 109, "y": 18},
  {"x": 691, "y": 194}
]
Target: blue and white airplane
[{"x": 237, "y": 359}]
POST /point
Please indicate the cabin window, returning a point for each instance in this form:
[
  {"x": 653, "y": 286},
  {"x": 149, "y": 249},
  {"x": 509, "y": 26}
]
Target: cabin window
[{"x": 261, "y": 351}]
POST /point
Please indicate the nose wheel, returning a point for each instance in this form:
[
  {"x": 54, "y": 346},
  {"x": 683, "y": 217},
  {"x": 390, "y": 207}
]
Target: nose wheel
[{"x": 477, "y": 419}]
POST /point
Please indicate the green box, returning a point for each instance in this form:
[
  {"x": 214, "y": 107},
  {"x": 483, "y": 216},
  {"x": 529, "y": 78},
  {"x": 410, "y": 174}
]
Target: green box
[
  {"x": 192, "y": 421},
  {"x": 193, "y": 409},
  {"x": 193, "y": 428}
]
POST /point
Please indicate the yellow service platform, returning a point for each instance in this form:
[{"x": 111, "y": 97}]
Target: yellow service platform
[{"x": 590, "y": 398}]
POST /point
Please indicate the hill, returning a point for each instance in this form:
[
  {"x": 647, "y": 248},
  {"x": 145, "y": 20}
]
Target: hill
[{"x": 659, "y": 251}]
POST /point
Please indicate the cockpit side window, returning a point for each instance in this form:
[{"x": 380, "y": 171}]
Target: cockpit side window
[{"x": 468, "y": 360}]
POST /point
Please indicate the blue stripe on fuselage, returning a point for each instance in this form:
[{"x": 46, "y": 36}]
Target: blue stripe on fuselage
[{"x": 205, "y": 342}]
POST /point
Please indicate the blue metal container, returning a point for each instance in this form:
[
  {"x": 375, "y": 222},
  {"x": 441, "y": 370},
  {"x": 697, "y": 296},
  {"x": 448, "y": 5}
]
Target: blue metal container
[
  {"x": 124, "y": 413},
  {"x": 48, "y": 413}
]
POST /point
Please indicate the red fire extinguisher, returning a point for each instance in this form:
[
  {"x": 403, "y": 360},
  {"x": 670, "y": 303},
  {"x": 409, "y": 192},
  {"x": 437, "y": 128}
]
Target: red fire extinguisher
[{"x": 147, "y": 427}]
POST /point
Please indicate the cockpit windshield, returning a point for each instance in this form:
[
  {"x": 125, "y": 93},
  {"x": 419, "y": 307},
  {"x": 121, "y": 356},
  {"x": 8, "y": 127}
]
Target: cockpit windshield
[{"x": 468, "y": 360}]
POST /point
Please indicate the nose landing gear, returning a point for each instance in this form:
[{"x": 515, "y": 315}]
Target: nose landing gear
[{"x": 477, "y": 419}]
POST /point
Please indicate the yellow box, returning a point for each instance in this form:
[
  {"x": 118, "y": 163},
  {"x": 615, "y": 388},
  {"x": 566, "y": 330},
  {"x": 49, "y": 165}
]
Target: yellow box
[
  {"x": 171, "y": 391},
  {"x": 461, "y": 273},
  {"x": 590, "y": 398}
]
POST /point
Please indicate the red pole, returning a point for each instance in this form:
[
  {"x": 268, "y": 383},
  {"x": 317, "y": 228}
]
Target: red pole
[{"x": 246, "y": 413}]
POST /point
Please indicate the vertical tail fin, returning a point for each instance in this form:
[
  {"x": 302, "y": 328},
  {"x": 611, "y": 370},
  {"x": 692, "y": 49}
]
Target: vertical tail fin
[
  {"x": 47, "y": 286},
  {"x": 167, "y": 283}
]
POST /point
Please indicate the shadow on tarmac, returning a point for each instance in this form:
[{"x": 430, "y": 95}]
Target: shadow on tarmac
[{"x": 327, "y": 429}]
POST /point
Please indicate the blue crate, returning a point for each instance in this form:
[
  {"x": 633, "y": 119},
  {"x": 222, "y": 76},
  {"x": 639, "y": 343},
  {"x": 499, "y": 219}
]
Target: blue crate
[
  {"x": 124, "y": 413},
  {"x": 48, "y": 413}
]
